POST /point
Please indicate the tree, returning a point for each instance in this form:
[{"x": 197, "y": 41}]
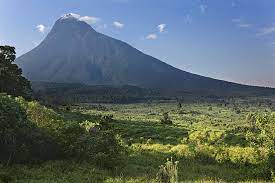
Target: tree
[
  {"x": 262, "y": 136},
  {"x": 165, "y": 119},
  {"x": 11, "y": 80},
  {"x": 179, "y": 105}
]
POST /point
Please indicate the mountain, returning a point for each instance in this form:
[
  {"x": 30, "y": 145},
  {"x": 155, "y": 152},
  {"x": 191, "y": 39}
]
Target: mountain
[{"x": 73, "y": 52}]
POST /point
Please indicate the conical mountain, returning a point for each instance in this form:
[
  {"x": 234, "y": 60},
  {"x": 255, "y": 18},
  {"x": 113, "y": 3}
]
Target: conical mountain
[{"x": 73, "y": 52}]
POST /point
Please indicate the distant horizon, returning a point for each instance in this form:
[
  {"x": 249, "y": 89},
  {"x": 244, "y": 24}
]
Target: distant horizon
[{"x": 232, "y": 41}]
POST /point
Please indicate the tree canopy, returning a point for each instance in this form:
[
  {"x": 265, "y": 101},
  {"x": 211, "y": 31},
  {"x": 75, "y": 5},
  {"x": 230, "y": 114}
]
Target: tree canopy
[{"x": 11, "y": 80}]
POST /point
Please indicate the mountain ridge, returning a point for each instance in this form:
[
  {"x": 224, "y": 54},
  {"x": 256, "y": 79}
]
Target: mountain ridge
[{"x": 73, "y": 52}]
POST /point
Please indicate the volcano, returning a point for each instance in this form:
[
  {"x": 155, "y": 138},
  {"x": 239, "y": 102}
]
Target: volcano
[{"x": 73, "y": 52}]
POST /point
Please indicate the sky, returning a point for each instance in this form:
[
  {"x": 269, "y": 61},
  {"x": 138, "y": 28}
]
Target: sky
[{"x": 232, "y": 40}]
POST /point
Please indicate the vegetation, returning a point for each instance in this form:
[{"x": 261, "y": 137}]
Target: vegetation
[
  {"x": 158, "y": 137},
  {"x": 168, "y": 173},
  {"x": 54, "y": 94},
  {"x": 31, "y": 133},
  {"x": 11, "y": 79},
  {"x": 210, "y": 145},
  {"x": 21, "y": 140},
  {"x": 165, "y": 119}
]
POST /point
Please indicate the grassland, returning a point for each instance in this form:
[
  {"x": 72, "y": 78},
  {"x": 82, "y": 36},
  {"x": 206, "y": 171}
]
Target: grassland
[{"x": 149, "y": 143}]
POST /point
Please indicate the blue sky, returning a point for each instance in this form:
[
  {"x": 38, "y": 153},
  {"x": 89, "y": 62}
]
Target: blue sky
[{"x": 232, "y": 40}]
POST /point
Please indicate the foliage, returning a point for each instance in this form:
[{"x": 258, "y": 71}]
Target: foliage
[
  {"x": 206, "y": 137},
  {"x": 11, "y": 79},
  {"x": 30, "y": 130},
  {"x": 262, "y": 136},
  {"x": 212, "y": 145},
  {"x": 179, "y": 105},
  {"x": 165, "y": 119},
  {"x": 21, "y": 140},
  {"x": 168, "y": 173}
]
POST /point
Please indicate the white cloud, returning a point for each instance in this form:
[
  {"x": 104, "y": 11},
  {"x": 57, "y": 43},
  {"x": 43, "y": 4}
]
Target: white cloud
[
  {"x": 161, "y": 27},
  {"x": 152, "y": 36},
  {"x": 118, "y": 25},
  {"x": 41, "y": 28},
  {"x": 187, "y": 19},
  {"x": 266, "y": 30},
  {"x": 70, "y": 15},
  {"x": 89, "y": 20},
  {"x": 203, "y": 8}
]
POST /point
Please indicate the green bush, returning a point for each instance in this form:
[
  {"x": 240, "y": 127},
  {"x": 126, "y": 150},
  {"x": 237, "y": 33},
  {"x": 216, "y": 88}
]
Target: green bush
[
  {"x": 30, "y": 131},
  {"x": 166, "y": 119},
  {"x": 168, "y": 173},
  {"x": 262, "y": 136},
  {"x": 206, "y": 137},
  {"x": 21, "y": 140}
]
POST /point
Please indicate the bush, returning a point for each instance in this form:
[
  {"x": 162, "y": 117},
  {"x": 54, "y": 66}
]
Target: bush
[
  {"x": 244, "y": 155},
  {"x": 21, "y": 140},
  {"x": 206, "y": 137},
  {"x": 165, "y": 119},
  {"x": 183, "y": 151},
  {"x": 168, "y": 173},
  {"x": 30, "y": 131},
  {"x": 262, "y": 136},
  {"x": 101, "y": 145}
]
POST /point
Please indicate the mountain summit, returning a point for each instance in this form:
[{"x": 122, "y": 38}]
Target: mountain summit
[{"x": 73, "y": 52}]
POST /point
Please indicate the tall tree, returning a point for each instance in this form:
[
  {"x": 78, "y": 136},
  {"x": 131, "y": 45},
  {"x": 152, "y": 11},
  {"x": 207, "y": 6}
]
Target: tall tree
[{"x": 11, "y": 80}]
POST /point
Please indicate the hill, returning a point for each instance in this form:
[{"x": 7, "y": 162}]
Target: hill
[{"x": 73, "y": 52}]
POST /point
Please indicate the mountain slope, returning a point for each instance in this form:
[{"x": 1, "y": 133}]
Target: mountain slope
[{"x": 73, "y": 52}]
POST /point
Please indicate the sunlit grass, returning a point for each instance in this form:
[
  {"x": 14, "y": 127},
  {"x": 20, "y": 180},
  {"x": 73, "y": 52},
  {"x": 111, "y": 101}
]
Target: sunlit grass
[{"x": 150, "y": 143}]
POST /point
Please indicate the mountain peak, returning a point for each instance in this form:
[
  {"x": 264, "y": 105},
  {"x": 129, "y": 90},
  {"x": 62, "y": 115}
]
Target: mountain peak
[
  {"x": 74, "y": 52},
  {"x": 71, "y": 23},
  {"x": 70, "y": 16}
]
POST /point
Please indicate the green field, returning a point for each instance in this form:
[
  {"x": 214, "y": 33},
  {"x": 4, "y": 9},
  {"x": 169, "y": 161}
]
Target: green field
[{"x": 206, "y": 139}]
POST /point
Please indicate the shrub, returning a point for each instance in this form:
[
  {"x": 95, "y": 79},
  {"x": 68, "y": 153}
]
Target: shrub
[
  {"x": 183, "y": 151},
  {"x": 206, "y": 137},
  {"x": 251, "y": 119},
  {"x": 179, "y": 105},
  {"x": 21, "y": 140},
  {"x": 244, "y": 155},
  {"x": 236, "y": 109},
  {"x": 205, "y": 153},
  {"x": 262, "y": 136},
  {"x": 168, "y": 173},
  {"x": 100, "y": 144},
  {"x": 33, "y": 132},
  {"x": 165, "y": 119}
]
